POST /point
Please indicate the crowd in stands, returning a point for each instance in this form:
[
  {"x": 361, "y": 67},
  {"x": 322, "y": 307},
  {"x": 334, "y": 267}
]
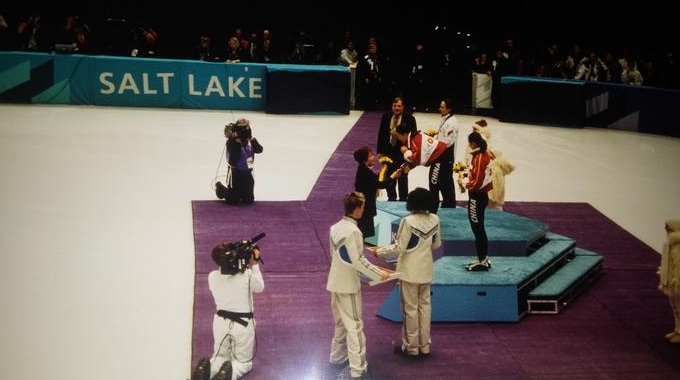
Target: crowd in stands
[{"x": 421, "y": 67}]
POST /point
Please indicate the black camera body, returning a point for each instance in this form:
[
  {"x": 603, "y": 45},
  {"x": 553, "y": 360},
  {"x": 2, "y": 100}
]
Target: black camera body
[
  {"x": 234, "y": 257},
  {"x": 241, "y": 128}
]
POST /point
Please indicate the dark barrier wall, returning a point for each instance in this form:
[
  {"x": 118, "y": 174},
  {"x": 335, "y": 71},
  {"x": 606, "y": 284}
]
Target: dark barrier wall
[
  {"x": 322, "y": 91},
  {"x": 578, "y": 104},
  {"x": 165, "y": 83},
  {"x": 542, "y": 101},
  {"x": 633, "y": 108}
]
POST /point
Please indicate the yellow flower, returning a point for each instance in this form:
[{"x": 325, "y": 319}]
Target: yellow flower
[
  {"x": 431, "y": 132},
  {"x": 385, "y": 160},
  {"x": 461, "y": 169}
]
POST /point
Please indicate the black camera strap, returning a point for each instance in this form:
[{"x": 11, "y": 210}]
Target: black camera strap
[{"x": 219, "y": 165}]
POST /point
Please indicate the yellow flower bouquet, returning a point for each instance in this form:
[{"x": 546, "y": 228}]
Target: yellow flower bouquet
[
  {"x": 461, "y": 169},
  {"x": 431, "y": 132},
  {"x": 384, "y": 161}
]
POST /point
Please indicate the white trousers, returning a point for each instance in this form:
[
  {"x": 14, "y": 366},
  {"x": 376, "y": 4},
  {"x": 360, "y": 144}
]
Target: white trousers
[{"x": 235, "y": 342}]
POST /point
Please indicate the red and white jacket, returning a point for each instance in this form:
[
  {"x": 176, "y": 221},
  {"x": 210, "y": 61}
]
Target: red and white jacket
[
  {"x": 480, "y": 172},
  {"x": 423, "y": 149}
]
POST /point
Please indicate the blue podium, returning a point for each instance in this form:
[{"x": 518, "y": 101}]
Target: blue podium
[{"x": 524, "y": 255}]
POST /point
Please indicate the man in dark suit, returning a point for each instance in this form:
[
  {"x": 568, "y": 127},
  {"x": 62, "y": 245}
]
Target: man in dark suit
[{"x": 388, "y": 146}]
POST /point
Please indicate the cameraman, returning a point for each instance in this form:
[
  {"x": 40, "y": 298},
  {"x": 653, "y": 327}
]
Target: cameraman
[
  {"x": 241, "y": 150},
  {"x": 232, "y": 287}
]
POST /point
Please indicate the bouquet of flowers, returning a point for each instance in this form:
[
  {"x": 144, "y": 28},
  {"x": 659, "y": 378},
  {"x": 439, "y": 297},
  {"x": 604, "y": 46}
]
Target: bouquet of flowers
[
  {"x": 384, "y": 161},
  {"x": 461, "y": 169},
  {"x": 382, "y": 174},
  {"x": 431, "y": 132}
]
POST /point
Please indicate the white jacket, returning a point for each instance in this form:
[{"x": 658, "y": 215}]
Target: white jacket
[{"x": 418, "y": 234}]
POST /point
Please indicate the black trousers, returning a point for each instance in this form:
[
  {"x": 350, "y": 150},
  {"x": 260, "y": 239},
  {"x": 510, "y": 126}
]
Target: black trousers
[
  {"x": 243, "y": 187},
  {"x": 400, "y": 185},
  {"x": 476, "y": 210},
  {"x": 441, "y": 182}
]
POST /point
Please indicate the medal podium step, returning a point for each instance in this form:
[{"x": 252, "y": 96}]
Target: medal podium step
[{"x": 533, "y": 271}]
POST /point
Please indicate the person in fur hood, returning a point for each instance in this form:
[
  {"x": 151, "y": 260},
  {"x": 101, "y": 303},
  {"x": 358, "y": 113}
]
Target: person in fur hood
[
  {"x": 500, "y": 167},
  {"x": 669, "y": 274}
]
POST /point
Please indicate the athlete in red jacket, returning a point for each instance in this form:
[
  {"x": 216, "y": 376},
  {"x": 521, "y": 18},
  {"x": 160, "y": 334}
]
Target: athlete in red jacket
[
  {"x": 420, "y": 149},
  {"x": 478, "y": 188}
]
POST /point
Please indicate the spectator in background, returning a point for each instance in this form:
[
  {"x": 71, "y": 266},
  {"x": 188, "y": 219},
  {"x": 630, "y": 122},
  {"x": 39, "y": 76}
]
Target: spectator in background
[
  {"x": 5, "y": 34},
  {"x": 205, "y": 51},
  {"x": 481, "y": 69},
  {"x": 651, "y": 69},
  {"x": 74, "y": 32},
  {"x": 592, "y": 69},
  {"x": 266, "y": 54},
  {"x": 349, "y": 56},
  {"x": 419, "y": 78},
  {"x": 445, "y": 61},
  {"x": 243, "y": 42},
  {"x": 630, "y": 74},
  {"x": 573, "y": 60},
  {"x": 327, "y": 54},
  {"x": 629, "y": 57},
  {"x": 304, "y": 48},
  {"x": 496, "y": 80},
  {"x": 514, "y": 60},
  {"x": 481, "y": 64},
  {"x": 144, "y": 41},
  {"x": 254, "y": 47},
  {"x": 29, "y": 33},
  {"x": 268, "y": 51},
  {"x": 369, "y": 86},
  {"x": 235, "y": 53},
  {"x": 553, "y": 62},
  {"x": 508, "y": 61},
  {"x": 613, "y": 66}
]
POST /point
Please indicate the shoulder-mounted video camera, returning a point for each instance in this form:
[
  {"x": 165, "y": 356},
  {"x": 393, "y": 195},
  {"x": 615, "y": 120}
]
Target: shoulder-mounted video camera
[
  {"x": 234, "y": 257},
  {"x": 241, "y": 128}
]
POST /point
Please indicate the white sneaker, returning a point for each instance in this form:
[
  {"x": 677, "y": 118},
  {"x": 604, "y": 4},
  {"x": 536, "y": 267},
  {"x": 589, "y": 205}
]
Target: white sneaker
[
  {"x": 473, "y": 262},
  {"x": 478, "y": 267},
  {"x": 486, "y": 262}
]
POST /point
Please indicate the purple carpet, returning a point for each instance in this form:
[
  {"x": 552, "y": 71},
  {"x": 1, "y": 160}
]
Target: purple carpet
[{"x": 614, "y": 330}]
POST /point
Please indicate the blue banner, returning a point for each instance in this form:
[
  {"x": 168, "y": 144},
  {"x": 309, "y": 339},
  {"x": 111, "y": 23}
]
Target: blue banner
[
  {"x": 135, "y": 82},
  {"x": 169, "y": 83}
]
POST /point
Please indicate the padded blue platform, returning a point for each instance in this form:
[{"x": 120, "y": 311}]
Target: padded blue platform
[
  {"x": 524, "y": 254},
  {"x": 509, "y": 234}
]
